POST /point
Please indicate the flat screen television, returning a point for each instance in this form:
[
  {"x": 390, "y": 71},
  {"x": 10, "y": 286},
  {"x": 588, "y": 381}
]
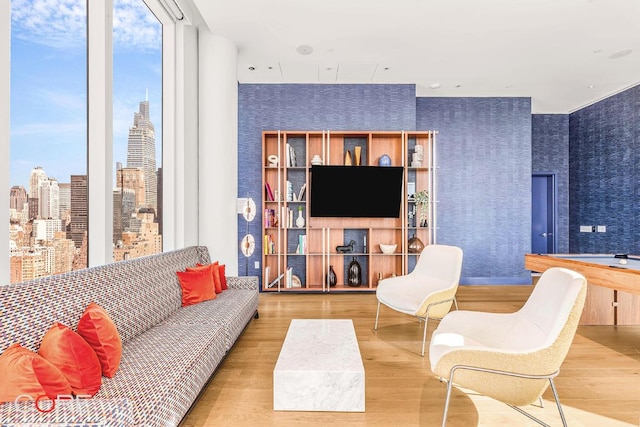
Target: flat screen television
[{"x": 356, "y": 191}]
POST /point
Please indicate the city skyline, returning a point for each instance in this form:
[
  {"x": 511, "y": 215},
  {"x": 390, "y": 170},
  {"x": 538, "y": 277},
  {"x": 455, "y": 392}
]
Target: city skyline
[{"x": 48, "y": 84}]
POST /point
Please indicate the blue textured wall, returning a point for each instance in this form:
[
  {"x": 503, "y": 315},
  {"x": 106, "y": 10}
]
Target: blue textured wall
[
  {"x": 550, "y": 154},
  {"x": 308, "y": 107},
  {"x": 484, "y": 182},
  {"x": 603, "y": 174}
]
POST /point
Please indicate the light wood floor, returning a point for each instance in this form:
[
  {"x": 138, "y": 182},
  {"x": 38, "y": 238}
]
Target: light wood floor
[{"x": 599, "y": 383}]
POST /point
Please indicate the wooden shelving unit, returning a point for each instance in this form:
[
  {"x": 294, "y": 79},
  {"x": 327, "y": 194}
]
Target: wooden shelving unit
[{"x": 300, "y": 256}]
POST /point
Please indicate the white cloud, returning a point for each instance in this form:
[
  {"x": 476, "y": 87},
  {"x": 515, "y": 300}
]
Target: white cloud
[{"x": 62, "y": 24}]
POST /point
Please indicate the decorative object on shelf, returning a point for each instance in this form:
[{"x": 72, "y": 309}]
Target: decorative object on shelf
[
  {"x": 273, "y": 161},
  {"x": 346, "y": 248},
  {"x": 388, "y": 249},
  {"x": 384, "y": 160},
  {"x": 417, "y": 157},
  {"x": 354, "y": 278},
  {"x": 300, "y": 220},
  {"x": 347, "y": 158},
  {"x": 295, "y": 281},
  {"x": 357, "y": 153},
  {"x": 248, "y": 243},
  {"x": 422, "y": 201},
  {"x": 331, "y": 279},
  {"x": 316, "y": 160},
  {"x": 411, "y": 190},
  {"x": 415, "y": 245}
]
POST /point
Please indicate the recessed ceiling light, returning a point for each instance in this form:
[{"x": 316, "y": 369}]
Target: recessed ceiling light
[
  {"x": 304, "y": 49},
  {"x": 620, "y": 54},
  {"x": 434, "y": 85},
  {"x": 591, "y": 86},
  {"x": 509, "y": 86},
  {"x": 386, "y": 68},
  {"x": 458, "y": 85},
  {"x": 329, "y": 68},
  {"x": 271, "y": 68},
  {"x": 252, "y": 68}
]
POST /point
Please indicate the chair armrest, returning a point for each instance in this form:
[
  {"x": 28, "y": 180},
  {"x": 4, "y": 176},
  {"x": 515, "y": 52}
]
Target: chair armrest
[{"x": 242, "y": 282}]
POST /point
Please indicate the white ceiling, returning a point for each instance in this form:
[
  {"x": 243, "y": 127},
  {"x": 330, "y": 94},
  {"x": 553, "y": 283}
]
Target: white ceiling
[{"x": 558, "y": 52}]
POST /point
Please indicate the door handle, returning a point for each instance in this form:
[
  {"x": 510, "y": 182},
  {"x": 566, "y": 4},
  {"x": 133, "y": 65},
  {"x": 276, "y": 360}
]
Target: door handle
[{"x": 546, "y": 234}]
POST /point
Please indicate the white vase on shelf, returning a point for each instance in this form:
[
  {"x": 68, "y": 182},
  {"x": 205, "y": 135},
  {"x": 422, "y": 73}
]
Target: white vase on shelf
[{"x": 300, "y": 220}]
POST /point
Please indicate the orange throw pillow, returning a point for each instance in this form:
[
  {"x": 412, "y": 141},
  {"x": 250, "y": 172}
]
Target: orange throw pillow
[
  {"x": 97, "y": 328},
  {"x": 214, "y": 271},
  {"x": 223, "y": 277},
  {"x": 197, "y": 285},
  {"x": 24, "y": 372},
  {"x": 74, "y": 357}
]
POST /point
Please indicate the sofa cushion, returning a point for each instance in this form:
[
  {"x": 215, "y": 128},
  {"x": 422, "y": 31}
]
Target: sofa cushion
[
  {"x": 75, "y": 358},
  {"x": 97, "y": 328},
  {"x": 24, "y": 372},
  {"x": 232, "y": 309},
  {"x": 164, "y": 369},
  {"x": 197, "y": 285}
]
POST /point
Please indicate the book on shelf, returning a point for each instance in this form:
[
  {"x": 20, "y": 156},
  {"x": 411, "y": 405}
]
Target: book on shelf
[
  {"x": 288, "y": 282},
  {"x": 269, "y": 193},
  {"x": 267, "y": 274},
  {"x": 302, "y": 190},
  {"x": 290, "y": 154}
]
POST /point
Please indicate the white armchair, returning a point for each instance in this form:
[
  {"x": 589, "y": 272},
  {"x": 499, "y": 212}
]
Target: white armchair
[
  {"x": 512, "y": 357},
  {"x": 429, "y": 290}
]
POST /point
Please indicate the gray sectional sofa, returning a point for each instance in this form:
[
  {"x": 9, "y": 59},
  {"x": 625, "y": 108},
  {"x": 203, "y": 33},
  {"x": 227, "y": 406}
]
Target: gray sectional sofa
[{"x": 169, "y": 351}]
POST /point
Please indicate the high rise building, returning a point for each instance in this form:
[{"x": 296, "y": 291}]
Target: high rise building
[
  {"x": 48, "y": 203},
  {"x": 17, "y": 198},
  {"x": 132, "y": 179},
  {"x": 123, "y": 208},
  {"x": 141, "y": 152},
  {"x": 37, "y": 176},
  {"x": 64, "y": 200},
  {"x": 79, "y": 209}
]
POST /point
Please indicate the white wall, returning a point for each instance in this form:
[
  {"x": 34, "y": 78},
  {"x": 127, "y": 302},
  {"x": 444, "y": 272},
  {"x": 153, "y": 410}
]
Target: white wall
[
  {"x": 218, "y": 149},
  {"x": 5, "y": 85}
]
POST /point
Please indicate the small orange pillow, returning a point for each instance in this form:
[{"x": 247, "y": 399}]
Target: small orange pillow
[
  {"x": 223, "y": 277},
  {"x": 74, "y": 357},
  {"x": 197, "y": 285},
  {"x": 97, "y": 328},
  {"x": 215, "y": 274},
  {"x": 24, "y": 372}
]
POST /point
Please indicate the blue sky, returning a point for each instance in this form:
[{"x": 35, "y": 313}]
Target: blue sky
[{"x": 48, "y": 83}]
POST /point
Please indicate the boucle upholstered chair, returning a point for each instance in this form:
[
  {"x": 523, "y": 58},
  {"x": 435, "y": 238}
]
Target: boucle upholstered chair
[
  {"x": 429, "y": 290},
  {"x": 512, "y": 357}
]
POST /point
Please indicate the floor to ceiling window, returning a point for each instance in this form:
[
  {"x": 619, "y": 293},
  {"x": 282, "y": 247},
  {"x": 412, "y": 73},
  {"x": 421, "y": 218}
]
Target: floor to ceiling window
[
  {"x": 48, "y": 164},
  {"x": 137, "y": 130}
]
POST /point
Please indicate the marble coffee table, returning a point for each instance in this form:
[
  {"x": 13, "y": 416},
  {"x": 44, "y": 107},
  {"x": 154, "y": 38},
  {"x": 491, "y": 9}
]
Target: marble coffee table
[{"x": 319, "y": 368}]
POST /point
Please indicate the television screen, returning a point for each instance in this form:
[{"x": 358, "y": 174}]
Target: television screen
[{"x": 356, "y": 191}]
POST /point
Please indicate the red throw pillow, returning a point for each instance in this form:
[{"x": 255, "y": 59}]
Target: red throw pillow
[
  {"x": 197, "y": 285},
  {"x": 97, "y": 328},
  {"x": 215, "y": 274},
  {"x": 24, "y": 372},
  {"x": 223, "y": 277},
  {"x": 74, "y": 357}
]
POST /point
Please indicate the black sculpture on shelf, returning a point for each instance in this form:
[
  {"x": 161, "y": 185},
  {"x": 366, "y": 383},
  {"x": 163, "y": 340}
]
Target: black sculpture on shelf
[
  {"x": 354, "y": 277},
  {"x": 331, "y": 278},
  {"x": 346, "y": 248}
]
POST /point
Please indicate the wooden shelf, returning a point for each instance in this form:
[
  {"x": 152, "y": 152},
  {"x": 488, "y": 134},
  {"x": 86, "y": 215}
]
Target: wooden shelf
[{"x": 322, "y": 235}]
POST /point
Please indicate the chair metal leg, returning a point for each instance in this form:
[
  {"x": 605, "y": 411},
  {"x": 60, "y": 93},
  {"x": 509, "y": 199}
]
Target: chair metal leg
[
  {"x": 377, "y": 313},
  {"x": 446, "y": 402},
  {"x": 555, "y": 395},
  {"x": 424, "y": 336}
]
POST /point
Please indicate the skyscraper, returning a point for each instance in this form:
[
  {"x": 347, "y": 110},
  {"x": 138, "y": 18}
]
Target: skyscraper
[
  {"x": 48, "y": 203},
  {"x": 79, "y": 209},
  {"x": 141, "y": 152}
]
